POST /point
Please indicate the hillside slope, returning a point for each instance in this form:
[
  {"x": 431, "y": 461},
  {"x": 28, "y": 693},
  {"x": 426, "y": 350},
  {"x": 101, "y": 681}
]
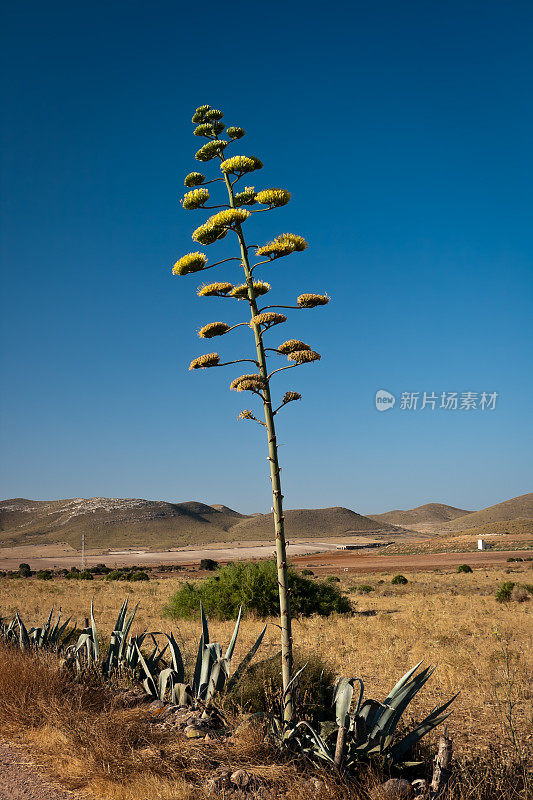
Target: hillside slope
[
  {"x": 303, "y": 522},
  {"x": 517, "y": 508},
  {"x": 430, "y": 512},
  {"x": 158, "y": 525}
]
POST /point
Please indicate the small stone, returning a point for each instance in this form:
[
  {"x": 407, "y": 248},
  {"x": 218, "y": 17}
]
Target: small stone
[
  {"x": 240, "y": 778},
  {"x": 193, "y": 733},
  {"x": 393, "y": 789}
]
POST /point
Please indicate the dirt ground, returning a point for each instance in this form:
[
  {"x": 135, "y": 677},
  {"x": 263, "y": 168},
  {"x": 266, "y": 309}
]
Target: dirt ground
[
  {"x": 363, "y": 562},
  {"x": 22, "y": 779}
]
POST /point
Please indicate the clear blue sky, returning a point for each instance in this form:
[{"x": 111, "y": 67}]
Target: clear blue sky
[{"x": 403, "y": 131}]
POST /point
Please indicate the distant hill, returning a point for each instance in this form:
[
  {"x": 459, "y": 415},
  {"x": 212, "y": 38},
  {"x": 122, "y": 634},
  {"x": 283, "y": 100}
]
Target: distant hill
[
  {"x": 158, "y": 525},
  {"x": 517, "y": 508},
  {"x": 303, "y": 522},
  {"x": 430, "y": 512}
]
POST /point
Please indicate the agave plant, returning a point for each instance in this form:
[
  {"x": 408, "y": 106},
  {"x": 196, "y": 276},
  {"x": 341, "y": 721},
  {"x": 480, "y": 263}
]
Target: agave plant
[
  {"x": 50, "y": 635},
  {"x": 211, "y": 673},
  {"x": 363, "y": 730},
  {"x": 242, "y": 206}
]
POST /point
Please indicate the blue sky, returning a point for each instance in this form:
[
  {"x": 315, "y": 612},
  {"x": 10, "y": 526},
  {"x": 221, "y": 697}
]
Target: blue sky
[{"x": 403, "y": 132}]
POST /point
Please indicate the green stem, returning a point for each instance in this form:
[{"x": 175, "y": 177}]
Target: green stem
[{"x": 277, "y": 497}]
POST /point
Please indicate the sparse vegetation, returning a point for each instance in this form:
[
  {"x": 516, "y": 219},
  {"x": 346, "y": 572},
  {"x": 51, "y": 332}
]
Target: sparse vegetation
[
  {"x": 464, "y": 568},
  {"x": 503, "y": 594},
  {"x": 209, "y": 564},
  {"x": 364, "y": 588},
  {"x": 399, "y": 580},
  {"x": 253, "y": 586},
  {"x": 75, "y": 747}
]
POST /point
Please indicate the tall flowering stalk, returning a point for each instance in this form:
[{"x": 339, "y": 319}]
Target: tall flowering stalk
[{"x": 231, "y": 217}]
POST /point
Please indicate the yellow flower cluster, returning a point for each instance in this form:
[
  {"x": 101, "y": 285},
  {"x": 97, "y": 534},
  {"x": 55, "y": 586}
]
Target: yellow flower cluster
[
  {"x": 291, "y": 345},
  {"x": 204, "y": 129},
  {"x": 246, "y": 414},
  {"x": 235, "y": 132},
  {"x": 288, "y": 397},
  {"x": 273, "y": 197},
  {"x": 282, "y": 245},
  {"x": 213, "y": 114},
  {"x": 202, "y": 362},
  {"x": 269, "y": 318},
  {"x": 239, "y": 165},
  {"x": 192, "y": 262},
  {"x": 213, "y": 329},
  {"x": 304, "y": 356},
  {"x": 214, "y": 289},
  {"x": 211, "y": 149},
  {"x": 195, "y": 199},
  {"x": 246, "y": 197},
  {"x": 247, "y": 383},
  {"x": 217, "y": 226},
  {"x": 312, "y": 300},
  {"x": 199, "y": 114},
  {"x": 194, "y": 179},
  {"x": 241, "y": 292}
]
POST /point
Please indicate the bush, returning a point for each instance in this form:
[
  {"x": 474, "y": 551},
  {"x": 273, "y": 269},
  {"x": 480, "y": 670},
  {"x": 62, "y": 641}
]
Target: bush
[
  {"x": 399, "y": 580},
  {"x": 114, "y": 575},
  {"x": 520, "y": 594},
  {"x": 100, "y": 569},
  {"x": 364, "y": 588},
  {"x": 261, "y": 684},
  {"x": 333, "y": 579},
  {"x": 254, "y": 586},
  {"x": 24, "y": 571},
  {"x": 464, "y": 568},
  {"x": 44, "y": 575},
  {"x": 307, "y": 572},
  {"x": 138, "y": 576},
  {"x": 503, "y": 595},
  {"x": 85, "y": 575},
  {"x": 209, "y": 564}
]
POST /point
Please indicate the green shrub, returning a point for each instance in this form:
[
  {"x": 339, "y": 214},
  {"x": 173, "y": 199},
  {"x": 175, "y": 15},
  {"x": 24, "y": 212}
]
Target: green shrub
[
  {"x": 260, "y": 686},
  {"x": 254, "y": 586},
  {"x": 503, "y": 595},
  {"x": 24, "y": 571},
  {"x": 399, "y": 580},
  {"x": 364, "y": 588},
  {"x": 114, "y": 575},
  {"x": 333, "y": 579},
  {"x": 99, "y": 569},
  {"x": 464, "y": 568},
  {"x": 44, "y": 575},
  {"x": 307, "y": 572},
  {"x": 138, "y": 576},
  {"x": 85, "y": 575},
  {"x": 209, "y": 564}
]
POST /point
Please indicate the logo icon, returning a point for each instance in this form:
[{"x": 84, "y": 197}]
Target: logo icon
[{"x": 384, "y": 400}]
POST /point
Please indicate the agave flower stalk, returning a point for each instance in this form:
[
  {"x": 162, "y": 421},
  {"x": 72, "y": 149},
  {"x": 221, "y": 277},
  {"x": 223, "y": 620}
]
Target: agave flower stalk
[{"x": 238, "y": 210}]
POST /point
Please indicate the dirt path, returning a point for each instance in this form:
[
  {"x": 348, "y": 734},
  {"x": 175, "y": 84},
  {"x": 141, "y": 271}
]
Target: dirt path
[
  {"x": 21, "y": 778},
  {"x": 359, "y": 562}
]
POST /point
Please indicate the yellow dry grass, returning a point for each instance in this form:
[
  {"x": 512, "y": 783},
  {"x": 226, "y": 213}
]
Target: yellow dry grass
[{"x": 443, "y": 618}]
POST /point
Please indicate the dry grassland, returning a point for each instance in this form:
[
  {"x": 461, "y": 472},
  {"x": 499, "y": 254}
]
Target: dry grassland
[{"x": 482, "y": 647}]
